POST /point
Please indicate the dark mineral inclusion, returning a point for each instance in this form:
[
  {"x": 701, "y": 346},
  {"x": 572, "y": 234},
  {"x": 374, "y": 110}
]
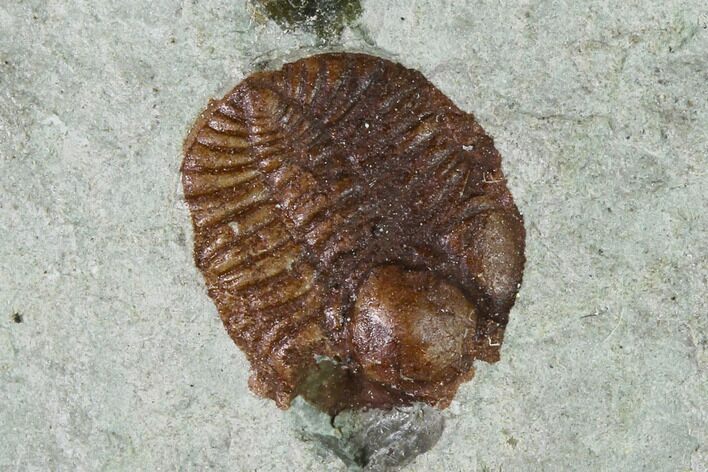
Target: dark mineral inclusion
[
  {"x": 325, "y": 18},
  {"x": 355, "y": 232}
]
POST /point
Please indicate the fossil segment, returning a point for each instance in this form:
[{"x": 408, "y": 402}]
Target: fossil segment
[{"x": 355, "y": 232}]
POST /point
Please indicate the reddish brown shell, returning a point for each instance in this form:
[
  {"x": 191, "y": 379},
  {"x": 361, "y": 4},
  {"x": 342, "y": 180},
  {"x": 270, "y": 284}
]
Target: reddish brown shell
[{"x": 355, "y": 232}]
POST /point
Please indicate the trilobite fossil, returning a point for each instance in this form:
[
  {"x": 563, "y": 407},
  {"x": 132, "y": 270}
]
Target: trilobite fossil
[{"x": 355, "y": 232}]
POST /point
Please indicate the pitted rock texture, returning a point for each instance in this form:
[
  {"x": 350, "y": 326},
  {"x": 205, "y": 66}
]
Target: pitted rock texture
[{"x": 355, "y": 232}]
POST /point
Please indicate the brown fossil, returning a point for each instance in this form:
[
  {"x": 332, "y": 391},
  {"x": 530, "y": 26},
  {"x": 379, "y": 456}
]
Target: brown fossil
[{"x": 355, "y": 232}]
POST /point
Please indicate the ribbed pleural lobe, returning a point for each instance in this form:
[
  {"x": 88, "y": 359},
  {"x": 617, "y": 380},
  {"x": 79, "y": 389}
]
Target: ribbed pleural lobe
[{"x": 303, "y": 182}]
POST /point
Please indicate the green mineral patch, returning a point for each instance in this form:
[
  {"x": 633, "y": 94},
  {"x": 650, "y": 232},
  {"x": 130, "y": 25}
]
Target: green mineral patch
[{"x": 325, "y": 18}]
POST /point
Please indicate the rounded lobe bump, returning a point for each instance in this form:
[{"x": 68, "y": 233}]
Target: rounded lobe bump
[
  {"x": 411, "y": 326},
  {"x": 490, "y": 246}
]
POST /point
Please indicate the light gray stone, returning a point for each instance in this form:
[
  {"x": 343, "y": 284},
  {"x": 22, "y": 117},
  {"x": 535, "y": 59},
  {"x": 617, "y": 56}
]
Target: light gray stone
[{"x": 600, "y": 110}]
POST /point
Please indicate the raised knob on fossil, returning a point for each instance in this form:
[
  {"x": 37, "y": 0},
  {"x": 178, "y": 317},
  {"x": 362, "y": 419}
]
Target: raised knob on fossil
[
  {"x": 411, "y": 326},
  {"x": 490, "y": 247}
]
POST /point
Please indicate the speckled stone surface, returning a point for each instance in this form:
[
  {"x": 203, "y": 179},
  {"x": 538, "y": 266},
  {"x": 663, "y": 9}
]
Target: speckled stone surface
[{"x": 112, "y": 357}]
